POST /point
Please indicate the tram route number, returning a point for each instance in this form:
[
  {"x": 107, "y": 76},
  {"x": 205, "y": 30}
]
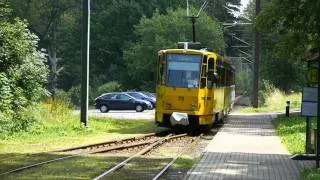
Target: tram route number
[{"x": 312, "y": 76}]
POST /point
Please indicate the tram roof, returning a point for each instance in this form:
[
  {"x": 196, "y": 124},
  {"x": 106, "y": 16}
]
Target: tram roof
[{"x": 194, "y": 51}]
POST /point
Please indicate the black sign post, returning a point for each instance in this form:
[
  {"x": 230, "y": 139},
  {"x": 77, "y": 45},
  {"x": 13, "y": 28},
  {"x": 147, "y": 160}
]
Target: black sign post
[{"x": 311, "y": 98}]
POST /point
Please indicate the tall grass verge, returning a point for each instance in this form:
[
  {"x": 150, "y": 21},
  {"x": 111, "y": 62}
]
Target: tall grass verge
[
  {"x": 56, "y": 127},
  {"x": 272, "y": 99}
]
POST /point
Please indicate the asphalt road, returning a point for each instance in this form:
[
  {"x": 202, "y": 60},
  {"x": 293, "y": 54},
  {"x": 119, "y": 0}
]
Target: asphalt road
[{"x": 125, "y": 114}]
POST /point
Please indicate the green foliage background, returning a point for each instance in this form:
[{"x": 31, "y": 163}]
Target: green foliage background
[
  {"x": 22, "y": 72},
  {"x": 163, "y": 31}
]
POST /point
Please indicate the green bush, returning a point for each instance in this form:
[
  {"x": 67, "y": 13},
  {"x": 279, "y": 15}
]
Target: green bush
[
  {"x": 75, "y": 95},
  {"x": 23, "y": 74},
  {"x": 271, "y": 96},
  {"x": 243, "y": 82},
  {"x": 62, "y": 95},
  {"x": 111, "y": 86},
  {"x": 266, "y": 90}
]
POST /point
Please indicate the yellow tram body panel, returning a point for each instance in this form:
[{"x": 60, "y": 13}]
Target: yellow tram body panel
[{"x": 201, "y": 103}]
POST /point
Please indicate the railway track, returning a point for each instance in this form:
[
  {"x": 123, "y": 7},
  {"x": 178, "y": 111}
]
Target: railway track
[
  {"x": 144, "y": 143},
  {"x": 144, "y": 151},
  {"x": 102, "y": 147}
]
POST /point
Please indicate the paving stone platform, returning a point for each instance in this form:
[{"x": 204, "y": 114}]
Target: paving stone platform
[{"x": 247, "y": 148}]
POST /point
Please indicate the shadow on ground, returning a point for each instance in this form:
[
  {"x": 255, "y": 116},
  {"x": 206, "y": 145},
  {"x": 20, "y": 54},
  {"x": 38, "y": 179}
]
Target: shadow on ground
[{"x": 88, "y": 167}]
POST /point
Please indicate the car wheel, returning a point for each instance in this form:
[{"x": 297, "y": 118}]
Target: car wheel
[
  {"x": 139, "y": 108},
  {"x": 104, "y": 108}
]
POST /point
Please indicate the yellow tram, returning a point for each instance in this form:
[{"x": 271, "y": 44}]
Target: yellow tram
[{"x": 194, "y": 87}]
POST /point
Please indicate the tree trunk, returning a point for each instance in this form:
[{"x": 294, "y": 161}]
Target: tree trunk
[{"x": 52, "y": 59}]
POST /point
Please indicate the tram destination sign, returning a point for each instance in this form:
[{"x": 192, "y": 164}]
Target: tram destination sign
[{"x": 309, "y": 106}]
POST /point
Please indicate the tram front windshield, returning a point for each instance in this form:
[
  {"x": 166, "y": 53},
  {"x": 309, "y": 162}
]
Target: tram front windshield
[{"x": 183, "y": 70}]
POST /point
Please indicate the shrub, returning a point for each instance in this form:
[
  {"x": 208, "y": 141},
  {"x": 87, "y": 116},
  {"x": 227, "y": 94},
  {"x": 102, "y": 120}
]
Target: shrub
[
  {"x": 108, "y": 87},
  {"x": 243, "y": 82},
  {"x": 265, "y": 91},
  {"x": 75, "y": 95},
  {"x": 62, "y": 95},
  {"x": 23, "y": 74},
  {"x": 270, "y": 96}
]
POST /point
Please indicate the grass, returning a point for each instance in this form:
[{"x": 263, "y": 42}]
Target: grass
[
  {"x": 275, "y": 101},
  {"x": 185, "y": 162},
  {"x": 292, "y": 132},
  {"x": 82, "y": 167},
  {"x": 310, "y": 174},
  {"x": 57, "y": 128},
  {"x": 71, "y": 133}
]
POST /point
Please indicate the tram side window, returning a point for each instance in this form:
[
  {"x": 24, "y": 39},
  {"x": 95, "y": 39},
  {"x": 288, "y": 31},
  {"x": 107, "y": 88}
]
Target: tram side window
[
  {"x": 211, "y": 77},
  {"x": 221, "y": 74},
  {"x": 161, "y": 70},
  {"x": 227, "y": 77},
  {"x": 233, "y": 78},
  {"x": 203, "y": 82},
  {"x": 223, "y": 77}
]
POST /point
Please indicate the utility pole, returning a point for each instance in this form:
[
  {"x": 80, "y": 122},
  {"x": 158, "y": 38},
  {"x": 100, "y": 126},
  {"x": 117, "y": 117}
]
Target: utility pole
[
  {"x": 318, "y": 104},
  {"x": 256, "y": 61},
  {"x": 193, "y": 18},
  {"x": 85, "y": 61}
]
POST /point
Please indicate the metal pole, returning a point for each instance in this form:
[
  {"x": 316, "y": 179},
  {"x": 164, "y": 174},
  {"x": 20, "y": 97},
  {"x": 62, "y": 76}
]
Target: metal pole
[
  {"x": 318, "y": 113},
  {"x": 256, "y": 62},
  {"x": 308, "y": 128},
  {"x": 193, "y": 19},
  {"x": 85, "y": 62},
  {"x": 318, "y": 103},
  {"x": 187, "y": 8},
  {"x": 288, "y": 109},
  {"x": 308, "y": 135}
]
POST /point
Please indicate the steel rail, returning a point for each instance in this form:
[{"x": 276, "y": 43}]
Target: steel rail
[
  {"x": 167, "y": 167},
  {"x": 88, "y": 152},
  {"x": 143, "y": 151},
  {"x": 170, "y": 163},
  {"x": 106, "y": 143}
]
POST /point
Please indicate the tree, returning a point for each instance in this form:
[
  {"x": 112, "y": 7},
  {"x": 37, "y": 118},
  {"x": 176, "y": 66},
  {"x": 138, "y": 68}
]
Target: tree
[
  {"x": 22, "y": 70},
  {"x": 163, "y": 31},
  {"x": 296, "y": 22},
  {"x": 224, "y": 10},
  {"x": 45, "y": 19},
  {"x": 113, "y": 25},
  {"x": 227, "y": 11},
  {"x": 278, "y": 69}
]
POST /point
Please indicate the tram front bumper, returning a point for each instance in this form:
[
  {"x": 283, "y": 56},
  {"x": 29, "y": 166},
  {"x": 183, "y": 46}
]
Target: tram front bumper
[{"x": 178, "y": 118}]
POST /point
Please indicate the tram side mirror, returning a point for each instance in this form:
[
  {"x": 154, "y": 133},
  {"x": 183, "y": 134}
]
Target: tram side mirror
[
  {"x": 216, "y": 76},
  {"x": 212, "y": 76}
]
